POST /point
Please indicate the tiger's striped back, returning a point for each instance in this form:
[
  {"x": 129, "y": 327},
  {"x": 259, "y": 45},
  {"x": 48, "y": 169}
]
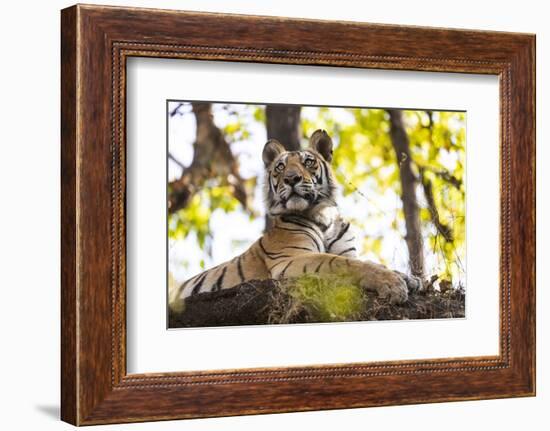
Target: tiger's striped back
[{"x": 289, "y": 237}]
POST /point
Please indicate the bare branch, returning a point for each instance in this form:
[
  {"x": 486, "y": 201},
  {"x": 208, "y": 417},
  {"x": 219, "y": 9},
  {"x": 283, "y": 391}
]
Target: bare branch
[
  {"x": 445, "y": 231},
  {"x": 176, "y": 161},
  {"x": 444, "y": 175},
  {"x": 176, "y": 110}
]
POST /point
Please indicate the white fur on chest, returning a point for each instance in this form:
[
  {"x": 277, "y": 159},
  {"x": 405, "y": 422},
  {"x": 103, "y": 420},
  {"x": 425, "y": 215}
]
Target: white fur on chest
[{"x": 339, "y": 237}]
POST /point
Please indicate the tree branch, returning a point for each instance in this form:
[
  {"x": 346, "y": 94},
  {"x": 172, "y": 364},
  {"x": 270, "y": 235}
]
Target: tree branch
[
  {"x": 445, "y": 231},
  {"x": 212, "y": 158},
  {"x": 442, "y": 228},
  {"x": 176, "y": 110},
  {"x": 176, "y": 161},
  {"x": 444, "y": 175}
]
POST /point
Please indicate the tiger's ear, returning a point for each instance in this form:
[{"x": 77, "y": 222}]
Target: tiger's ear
[
  {"x": 272, "y": 150},
  {"x": 320, "y": 141}
]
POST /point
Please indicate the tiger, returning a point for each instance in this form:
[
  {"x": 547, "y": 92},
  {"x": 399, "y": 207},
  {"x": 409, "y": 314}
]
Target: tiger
[{"x": 307, "y": 233}]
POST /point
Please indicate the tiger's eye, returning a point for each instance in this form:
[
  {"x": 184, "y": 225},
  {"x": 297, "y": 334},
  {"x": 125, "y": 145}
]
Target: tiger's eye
[
  {"x": 279, "y": 167},
  {"x": 308, "y": 163}
]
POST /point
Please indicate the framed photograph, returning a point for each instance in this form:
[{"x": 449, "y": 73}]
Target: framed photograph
[
  {"x": 304, "y": 219},
  {"x": 264, "y": 215}
]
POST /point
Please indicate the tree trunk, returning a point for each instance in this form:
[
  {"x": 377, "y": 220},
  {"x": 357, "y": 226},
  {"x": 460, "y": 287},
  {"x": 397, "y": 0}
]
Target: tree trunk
[
  {"x": 409, "y": 182},
  {"x": 283, "y": 124}
]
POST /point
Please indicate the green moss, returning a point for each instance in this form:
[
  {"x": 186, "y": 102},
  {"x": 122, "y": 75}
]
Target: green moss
[{"x": 327, "y": 298}]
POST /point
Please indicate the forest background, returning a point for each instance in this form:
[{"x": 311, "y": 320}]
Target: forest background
[{"x": 401, "y": 175}]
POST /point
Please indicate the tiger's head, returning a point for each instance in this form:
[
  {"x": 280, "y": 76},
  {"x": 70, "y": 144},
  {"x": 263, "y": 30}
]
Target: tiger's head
[{"x": 301, "y": 182}]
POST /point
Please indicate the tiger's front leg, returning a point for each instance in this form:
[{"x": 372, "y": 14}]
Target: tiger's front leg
[{"x": 370, "y": 276}]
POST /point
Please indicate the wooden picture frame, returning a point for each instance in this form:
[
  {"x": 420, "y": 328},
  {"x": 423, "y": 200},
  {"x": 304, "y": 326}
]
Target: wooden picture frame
[{"x": 95, "y": 43}]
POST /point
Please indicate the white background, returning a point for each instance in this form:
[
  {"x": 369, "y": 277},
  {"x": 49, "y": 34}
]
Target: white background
[
  {"x": 29, "y": 227},
  {"x": 153, "y": 349}
]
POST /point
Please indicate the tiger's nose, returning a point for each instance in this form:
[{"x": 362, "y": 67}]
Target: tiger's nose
[{"x": 292, "y": 179}]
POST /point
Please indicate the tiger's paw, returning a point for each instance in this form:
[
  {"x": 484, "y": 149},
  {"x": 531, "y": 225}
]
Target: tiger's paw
[
  {"x": 414, "y": 283},
  {"x": 390, "y": 286}
]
